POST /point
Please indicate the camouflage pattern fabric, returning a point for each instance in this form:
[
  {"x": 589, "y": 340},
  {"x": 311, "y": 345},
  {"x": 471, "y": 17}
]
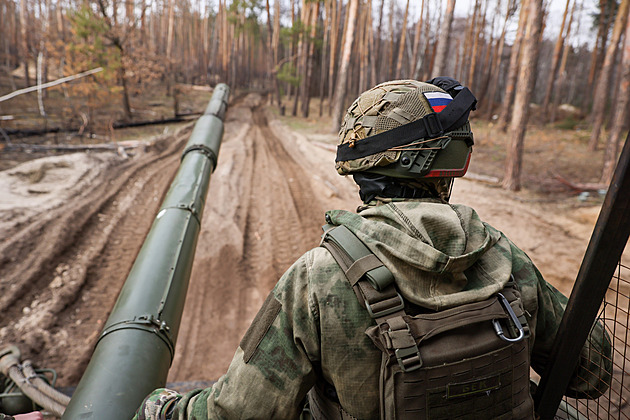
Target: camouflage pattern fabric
[
  {"x": 6, "y": 417},
  {"x": 156, "y": 405},
  {"x": 312, "y": 325}
]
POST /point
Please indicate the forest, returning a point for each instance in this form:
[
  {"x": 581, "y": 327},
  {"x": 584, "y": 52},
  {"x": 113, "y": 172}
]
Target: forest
[{"x": 536, "y": 61}]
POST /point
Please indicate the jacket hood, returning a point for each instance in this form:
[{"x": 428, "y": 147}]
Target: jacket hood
[{"x": 441, "y": 255}]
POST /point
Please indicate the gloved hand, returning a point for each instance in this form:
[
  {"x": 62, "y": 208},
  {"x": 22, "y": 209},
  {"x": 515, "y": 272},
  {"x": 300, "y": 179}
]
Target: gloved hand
[{"x": 158, "y": 405}]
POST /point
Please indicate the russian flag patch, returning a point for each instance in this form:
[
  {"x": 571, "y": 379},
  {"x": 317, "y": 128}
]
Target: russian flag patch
[{"x": 438, "y": 100}]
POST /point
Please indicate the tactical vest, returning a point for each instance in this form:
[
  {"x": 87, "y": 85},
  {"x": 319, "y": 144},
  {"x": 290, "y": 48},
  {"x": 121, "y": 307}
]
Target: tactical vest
[{"x": 467, "y": 362}]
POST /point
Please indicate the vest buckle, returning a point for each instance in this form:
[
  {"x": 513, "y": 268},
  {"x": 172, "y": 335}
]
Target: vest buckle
[
  {"x": 385, "y": 307},
  {"x": 409, "y": 358}
]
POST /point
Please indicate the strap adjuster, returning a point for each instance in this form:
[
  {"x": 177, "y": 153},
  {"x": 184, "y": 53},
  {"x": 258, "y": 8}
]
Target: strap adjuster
[
  {"x": 432, "y": 125},
  {"x": 409, "y": 358},
  {"x": 385, "y": 307}
]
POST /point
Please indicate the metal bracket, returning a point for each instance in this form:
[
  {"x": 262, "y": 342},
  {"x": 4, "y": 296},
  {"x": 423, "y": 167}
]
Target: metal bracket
[
  {"x": 204, "y": 150},
  {"x": 147, "y": 323}
]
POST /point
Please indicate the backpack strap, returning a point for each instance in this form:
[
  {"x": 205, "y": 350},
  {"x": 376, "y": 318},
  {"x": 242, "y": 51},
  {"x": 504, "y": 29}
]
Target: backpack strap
[
  {"x": 374, "y": 287},
  {"x": 355, "y": 258},
  {"x": 372, "y": 282}
]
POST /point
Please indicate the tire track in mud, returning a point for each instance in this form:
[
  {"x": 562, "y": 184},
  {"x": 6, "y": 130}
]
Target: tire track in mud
[
  {"x": 68, "y": 264},
  {"x": 83, "y": 251},
  {"x": 262, "y": 217},
  {"x": 296, "y": 230}
]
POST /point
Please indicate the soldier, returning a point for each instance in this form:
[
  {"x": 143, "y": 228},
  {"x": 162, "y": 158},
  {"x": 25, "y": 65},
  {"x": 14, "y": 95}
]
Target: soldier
[{"x": 412, "y": 307}]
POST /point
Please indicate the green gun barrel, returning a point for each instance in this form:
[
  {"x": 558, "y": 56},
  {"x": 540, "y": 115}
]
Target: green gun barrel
[{"x": 136, "y": 348}]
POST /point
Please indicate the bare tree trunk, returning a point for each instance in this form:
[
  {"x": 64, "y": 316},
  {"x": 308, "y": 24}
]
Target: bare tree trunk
[
  {"x": 369, "y": 33},
  {"x": 275, "y": 45},
  {"x": 512, "y": 75},
  {"x": 444, "y": 38},
  {"x": 325, "y": 54},
  {"x": 40, "y": 81},
  {"x": 600, "y": 43},
  {"x": 490, "y": 51},
  {"x": 143, "y": 23},
  {"x": 361, "y": 46},
  {"x": 340, "y": 90},
  {"x": 271, "y": 56},
  {"x": 431, "y": 61},
  {"x": 600, "y": 96},
  {"x": 554, "y": 62},
  {"x": 334, "y": 36},
  {"x": 458, "y": 59},
  {"x": 60, "y": 26},
  {"x": 301, "y": 59},
  {"x": 401, "y": 47},
  {"x": 114, "y": 7},
  {"x": 468, "y": 40},
  {"x": 169, "y": 47},
  {"x": 24, "y": 31},
  {"x": 4, "y": 34},
  {"x": 392, "y": 41},
  {"x": 496, "y": 62},
  {"x": 527, "y": 72},
  {"x": 376, "y": 58},
  {"x": 213, "y": 55},
  {"x": 366, "y": 35},
  {"x": 225, "y": 41},
  {"x": 562, "y": 72},
  {"x": 620, "y": 118},
  {"x": 310, "y": 58},
  {"x": 477, "y": 34},
  {"x": 426, "y": 60},
  {"x": 414, "y": 67}
]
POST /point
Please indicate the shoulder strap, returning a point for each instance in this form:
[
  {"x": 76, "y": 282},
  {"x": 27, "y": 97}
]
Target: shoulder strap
[
  {"x": 375, "y": 289},
  {"x": 355, "y": 258}
]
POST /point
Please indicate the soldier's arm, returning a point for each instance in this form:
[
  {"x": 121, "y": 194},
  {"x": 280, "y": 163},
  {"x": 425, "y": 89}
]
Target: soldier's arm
[
  {"x": 592, "y": 376},
  {"x": 271, "y": 371}
]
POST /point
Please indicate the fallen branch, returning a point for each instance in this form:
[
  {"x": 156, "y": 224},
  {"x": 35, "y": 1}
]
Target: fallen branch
[
  {"x": 29, "y": 132},
  {"x": 579, "y": 187},
  {"x": 179, "y": 118},
  {"x": 75, "y": 147},
  {"x": 482, "y": 178},
  {"x": 49, "y": 84}
]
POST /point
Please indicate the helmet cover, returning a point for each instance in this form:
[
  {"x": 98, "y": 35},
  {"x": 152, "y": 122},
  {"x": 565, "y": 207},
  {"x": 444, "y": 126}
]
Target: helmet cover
[{"x": 394, "y": 104}]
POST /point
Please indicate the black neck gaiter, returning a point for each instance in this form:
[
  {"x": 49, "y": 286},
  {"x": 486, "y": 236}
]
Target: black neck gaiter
[{"x": 373, "y": 185}]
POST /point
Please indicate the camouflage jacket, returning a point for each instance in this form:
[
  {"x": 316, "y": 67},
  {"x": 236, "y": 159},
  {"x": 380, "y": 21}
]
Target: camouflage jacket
[{"x": 312, "y": 324}]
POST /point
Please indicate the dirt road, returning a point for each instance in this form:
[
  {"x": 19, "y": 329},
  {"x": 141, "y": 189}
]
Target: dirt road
[{"x": 72, "y": 225}]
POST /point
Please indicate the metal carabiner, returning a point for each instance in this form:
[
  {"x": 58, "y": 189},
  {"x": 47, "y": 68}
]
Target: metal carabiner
[{"x": 497, "y": 326}]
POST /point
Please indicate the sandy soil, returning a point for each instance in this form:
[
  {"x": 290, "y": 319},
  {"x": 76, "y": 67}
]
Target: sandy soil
[{"x": 72, "y": 225}]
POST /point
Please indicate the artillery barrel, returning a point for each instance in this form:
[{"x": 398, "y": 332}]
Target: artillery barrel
[{"x": 135, "y": 350}]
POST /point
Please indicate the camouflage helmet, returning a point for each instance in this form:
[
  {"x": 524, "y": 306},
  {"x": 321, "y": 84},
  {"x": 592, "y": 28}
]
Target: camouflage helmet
[{"x": 408, "y": 129}]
